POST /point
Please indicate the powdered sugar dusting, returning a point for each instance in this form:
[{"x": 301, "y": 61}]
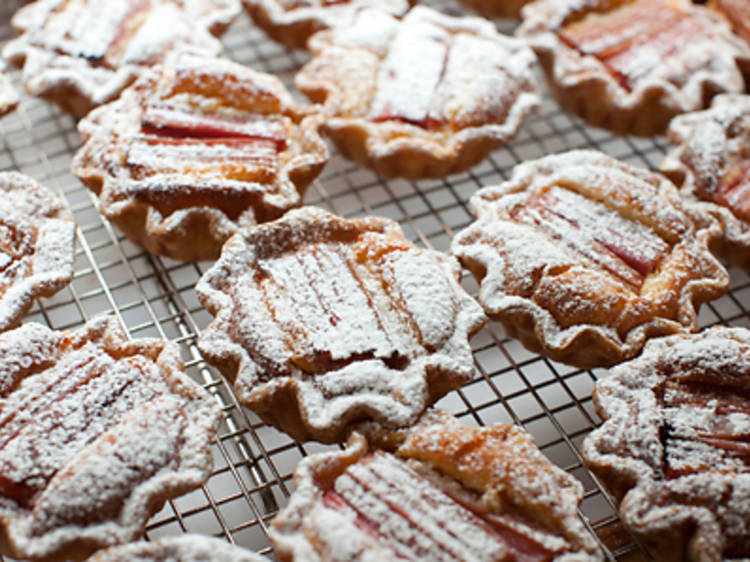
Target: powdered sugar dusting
[
  {"x": 579, "y": 245},
  {"x": 677, "y": 422},
  {"x": 36, "y": 245},
  {"x": 92, "y": 50},
  {"x": 439, "y": 491},
  {"x": 95, "y": 433},
  {"x": 8, "y": 95},
  {"x": 348, "y": 314},
  {"x": 202, "y": 142},
  {"x": 438, "y": 84},
  {"x": 182, "y": 548}
]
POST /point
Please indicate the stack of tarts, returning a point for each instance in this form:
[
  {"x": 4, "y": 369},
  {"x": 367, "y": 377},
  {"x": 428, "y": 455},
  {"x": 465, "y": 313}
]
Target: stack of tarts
[{"x": 342, "y": 330}]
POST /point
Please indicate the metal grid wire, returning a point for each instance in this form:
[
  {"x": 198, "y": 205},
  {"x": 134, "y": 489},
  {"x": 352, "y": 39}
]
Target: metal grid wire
[{"x": 154, "y": 297}]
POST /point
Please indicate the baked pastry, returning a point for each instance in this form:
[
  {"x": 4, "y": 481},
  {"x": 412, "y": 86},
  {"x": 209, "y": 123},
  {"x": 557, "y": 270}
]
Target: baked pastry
[
  {"x": 711, "y": 164},
  {"x": 584, "y": 258},
  {"x": 497, "y": 8},
  {"x": 292, "y": 22},
  {"x": 321, "y": 322},
  {"x": 37, "y": 245},
  {"x": 182, "y": 548},
  {"x": 196, "y": 149},
  {"x": 438, "y": 491},
  {"x": 8, "y": 96},
  {"x": 738, "y": 14},
  {"x": 96, "y": 432},
  {"x": 674, "y": 445},
  {"x": 473, "y": 89},
  {"x": 83, "y": 53},
  {"x": 630, "y": 66}
]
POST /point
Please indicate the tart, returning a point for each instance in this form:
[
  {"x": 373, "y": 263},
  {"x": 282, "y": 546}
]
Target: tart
[
  {"x": 37, "y": 245},
  {"x": 83, "y": 53},
  {"x": 497, "y": 8},
  {"x": 473, "y": 90},
  {"x": 711, "y": 164},
  {"x": 673, "y": 448},
  {"x": 96, "y": 432},
  {"x": 183, "y": 548},
  {"x": 196, "y": 149},
  {"x": 631, "y": 65},
  {"x": 738, "y": 14},
  {"x": 584, "y": 258},
  {"x": 438, "y": 491},
  {"x": 292, "y": 22},
  {"x": 8, "y": 96},
  {"x": 321, "y": 322}
]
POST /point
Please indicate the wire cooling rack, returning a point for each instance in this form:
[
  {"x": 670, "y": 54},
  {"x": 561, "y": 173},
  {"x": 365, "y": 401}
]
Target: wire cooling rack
[{"x": 154, "y": 297}]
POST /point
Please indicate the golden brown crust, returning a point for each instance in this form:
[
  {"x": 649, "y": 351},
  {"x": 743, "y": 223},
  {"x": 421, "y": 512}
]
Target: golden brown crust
[
  {"x": 8, "y": 96},
  {"x": 496, "y": 472},
  {"x": 97, "y": 432},
  {"x": 475, "y": 88},
  {"x": 497, "y": 8},
  {"x": 737, "y": 12},
  {"x": 673, "y": 445},
  {"x": 600, "y": 67},
  {"x": 710, "y": 166},
  {"x": 584, "y": 258},
  {"x": 196, "y": 149},
  {"x": 321, "y": 322},
  {"x": 37, "y": 245},
  {"x": 293, "y": 26}
]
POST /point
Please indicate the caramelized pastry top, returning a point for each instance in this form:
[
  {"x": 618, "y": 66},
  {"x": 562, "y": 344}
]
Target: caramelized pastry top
[
  {"x": 585, "y": 257},
  {"x": 712, "y": 164},
  {"x": 346, "y": 316},
  {"x": 674, "y": 444},
  {"x": 82, "y": 53},
  {"x": 427, "y": 85},
  {"x": 202, "y": 142},
  {"x": 36, "y": 245},
  {"x": 439, "y": 491},
  {"x": 95, "y": 433}
]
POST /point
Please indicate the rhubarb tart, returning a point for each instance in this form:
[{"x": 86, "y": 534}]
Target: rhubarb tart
[
  {"x": 82, "y": 53},
  {"x": 631, "y": 65},
  {"x": 711, "y": 164},
  {"x": 96, "y": 432},
  {"x": 439, "y": 491},
  {"x": 674, "y": 448},
  {"x": 196, "y": 149},
  {"x": 321, "y": 322},
  {"x": 37, "y": 245},
  {"x": 426, "y": 96},
  {"x": 584, "y": 258}
]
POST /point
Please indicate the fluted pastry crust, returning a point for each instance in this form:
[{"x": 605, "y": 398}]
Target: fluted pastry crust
[
  {"x": 472, "y": 90},
  {"x": 196, "y": 149},
  {"x": 711, "y": 165},
  {"x": 292, "y": 22},
  {"x": 439, "y": 490},
  {"x": 584, "y": 258},
  {"x": 181, "y": 548},
  {"x": 321, "y": 322},
  {"x": 82, "y": 53},
  {"x": 37, "y": 245},
  {"x": 96, "y": 432},
  {"x": 673, "y": 448},
  {"x": 631, "y": 65}
]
